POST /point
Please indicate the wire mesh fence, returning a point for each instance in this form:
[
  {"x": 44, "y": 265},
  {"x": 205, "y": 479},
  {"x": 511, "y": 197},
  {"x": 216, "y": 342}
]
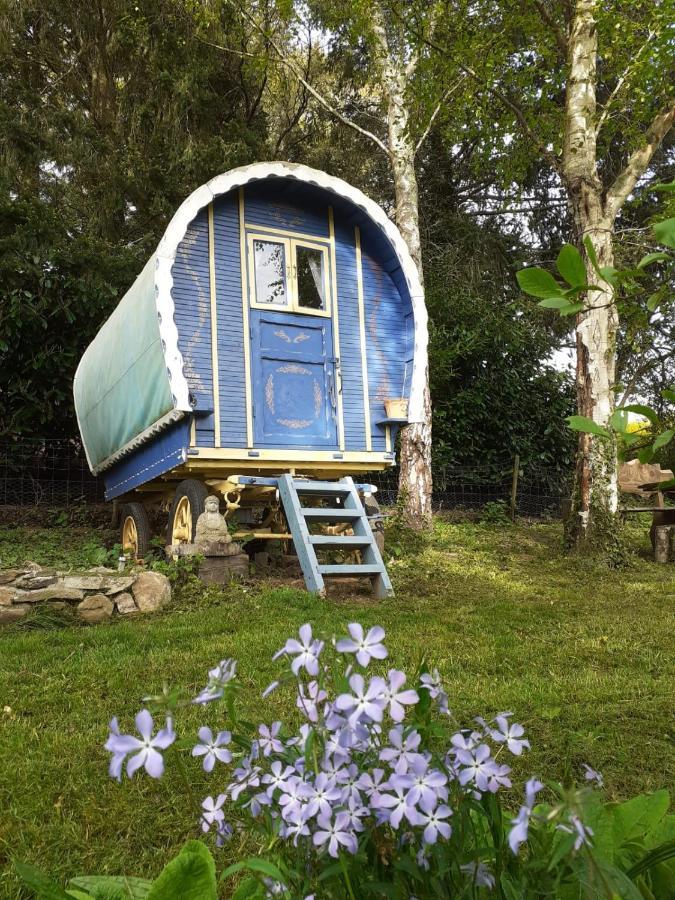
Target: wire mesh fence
[{"x": 54, "y": 473}]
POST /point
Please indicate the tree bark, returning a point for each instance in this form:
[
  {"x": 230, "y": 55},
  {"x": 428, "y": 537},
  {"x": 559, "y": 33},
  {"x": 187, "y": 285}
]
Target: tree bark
[{"x": 415, "y": 478}]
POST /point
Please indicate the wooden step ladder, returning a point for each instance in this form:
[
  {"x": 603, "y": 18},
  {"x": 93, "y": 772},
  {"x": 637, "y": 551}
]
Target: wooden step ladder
[{"x": 349, "y": 511}]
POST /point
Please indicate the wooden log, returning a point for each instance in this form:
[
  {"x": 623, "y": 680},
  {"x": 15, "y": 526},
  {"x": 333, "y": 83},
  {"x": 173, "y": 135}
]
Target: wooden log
[{"x": 662, "y": 541}]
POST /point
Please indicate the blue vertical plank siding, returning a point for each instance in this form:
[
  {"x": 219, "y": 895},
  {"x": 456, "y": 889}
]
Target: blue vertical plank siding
[
  {"x": 385, "y": 341},
  {"x": 277, "y": 205},
  {"x": 350, "y": 337},
  {"x": 231, "y": 372},
  {"x": 192, "y": 313}
]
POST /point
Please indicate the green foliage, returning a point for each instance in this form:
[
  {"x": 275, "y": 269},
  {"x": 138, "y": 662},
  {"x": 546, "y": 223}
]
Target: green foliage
[{"x": 495, "y": 512}]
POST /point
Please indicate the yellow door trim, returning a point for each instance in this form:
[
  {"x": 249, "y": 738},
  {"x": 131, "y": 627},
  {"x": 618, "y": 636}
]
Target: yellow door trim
[
  {"x": 286, "y": 232},
  {"x": 336, "y": 328},
  {"x": 246, "y": 328},
  {"x": 214, "y": 328},
  {"x": 362, "y": 338}
]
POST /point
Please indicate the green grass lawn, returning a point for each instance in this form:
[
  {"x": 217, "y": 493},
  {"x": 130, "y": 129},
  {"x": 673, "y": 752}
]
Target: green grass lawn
[{"x": 583, "y": 655}]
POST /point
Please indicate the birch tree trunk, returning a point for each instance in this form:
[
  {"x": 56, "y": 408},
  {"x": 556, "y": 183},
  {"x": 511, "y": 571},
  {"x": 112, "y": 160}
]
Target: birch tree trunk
[
  {"x": 595, "y": 208},
  {"x": 415, "y": 480}
]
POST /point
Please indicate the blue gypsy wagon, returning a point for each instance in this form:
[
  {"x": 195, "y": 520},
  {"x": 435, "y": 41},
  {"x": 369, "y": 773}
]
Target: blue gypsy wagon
[{"x": 268, "y": 351}]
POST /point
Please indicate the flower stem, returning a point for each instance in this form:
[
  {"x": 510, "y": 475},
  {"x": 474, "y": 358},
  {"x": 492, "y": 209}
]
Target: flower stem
[{"x": 346, "y": 876}]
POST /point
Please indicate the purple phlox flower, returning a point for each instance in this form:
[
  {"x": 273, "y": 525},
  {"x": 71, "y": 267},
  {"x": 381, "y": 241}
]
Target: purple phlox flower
[
  {"x": 365, "y": 701},
  {"x": 366, "y": 648},
  {"x": 300, "y": 739},
  {"x": 212, "y": 812},
  {"x": 582, "y": 833},
  {"x": 148, "y": 747},
  {"x": 431, "y": 681},
  {"x": 334, "y": 767},
  {"x": 295, "y": 825},
  {"x": 511, "y": 735},
  {"x": 294, "y": 796},
  {"x": 422, "y": 858},
  {"x": 322, "y": 795},
  {"x": 211, "y": 748},
  {"x": 350, "y": 792},
  {"x": 334, "y": 719},
  {"x": 224, "y": 672},
  {"x": 395, "y": 698},
  {"x": 464, "y": 740},
  {"x": 118, "y": 755},
  {"x": 306, "y": 651},
  {"x": 335, "y": 833},
  {"x": 356, "y": 811},
  {"x": 256, "y": 802},
  {"x": 373, "y": 784},
  {"x": 425, "y": 783},
  {"x": 398, "y": 804},
  {"x": 272, "y": 686},
  {"x": 402, "y": 753},
  {"x": 268, "y": 741},
  {"x": 591, "y": 775},
  {"x": 432, "y": 817},
  {"x": 274, "y": 888},
  {"x": 224, "y": 832},
  {"x": 277, "y": 777},
  {"x": 246, "y": 776},
  {"x": 499, "y": 777},
  {"x": 308, "y": 704},
  {"x": 519, "y": 828},
  {"x": 479, "y": 873},
  {"x": 338, "y": 745},
  {"x": 478, "y": 764},
  {"x": 532, "y": 788}
]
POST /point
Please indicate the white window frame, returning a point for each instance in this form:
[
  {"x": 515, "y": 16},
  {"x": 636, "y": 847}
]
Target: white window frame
[{"x": 290, "y": 243}]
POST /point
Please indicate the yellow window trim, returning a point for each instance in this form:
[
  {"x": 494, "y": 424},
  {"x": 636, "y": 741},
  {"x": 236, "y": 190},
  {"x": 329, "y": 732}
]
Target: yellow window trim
[
  {"x": 285, "y": 232},
  {"x": 290, "y": 245}
]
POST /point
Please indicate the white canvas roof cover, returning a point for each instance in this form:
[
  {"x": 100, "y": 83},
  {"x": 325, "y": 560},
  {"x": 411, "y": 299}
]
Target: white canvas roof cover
[{"x": 130, "y": 383}]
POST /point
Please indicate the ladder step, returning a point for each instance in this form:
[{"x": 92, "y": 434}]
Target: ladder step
[
  {"x": 339, "y": 540},
  {"x": 317, "y": 514},
  {"x": 331, "y": 488},
  {"x": 350, "y": 570}
]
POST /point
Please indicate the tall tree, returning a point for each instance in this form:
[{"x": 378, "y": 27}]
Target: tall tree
[
  {"x": 394, "y": 73},
  {"x": 585, "y": 86}
]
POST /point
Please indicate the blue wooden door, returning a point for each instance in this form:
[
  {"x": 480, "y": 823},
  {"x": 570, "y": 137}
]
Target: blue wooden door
[{"x": 293, "y": 375}]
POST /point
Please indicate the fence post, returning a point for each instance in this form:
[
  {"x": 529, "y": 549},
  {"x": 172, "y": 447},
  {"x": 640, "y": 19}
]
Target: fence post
[{"x": 514, "y": 485}]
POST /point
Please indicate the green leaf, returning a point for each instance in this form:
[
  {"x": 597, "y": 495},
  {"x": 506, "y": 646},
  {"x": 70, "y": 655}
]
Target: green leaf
[
  {"x": 665, "y": 232},
  {"x": 571, "y": 309},
  {"x": 255, "y": 865},
  {"x": 650, "y": 258},
  {"x": 41, "y": 884},
  {"x": 116, "y": 886},
  {"x": 654, "y": 858},
  {"x": 538, "y": 282},
  {"x": 654, "y": 300},
  {"x": 664, "y": 438},
  {"x": 645, "y": 455},
  {"x": 571, "y": 265},
  {"x": 609, "y": 274},
  {"x": 643, "y": 410},
  {"x": 554, "y": 303},
  {"x": 250, "y": 887},
  {"x": 619, "y": 420},
  {"x": 588, "y": 426},
  {"x": 590, "y": 250},
  {"x": 668, "y": 394},
  {"x": 190, "y": 876}
]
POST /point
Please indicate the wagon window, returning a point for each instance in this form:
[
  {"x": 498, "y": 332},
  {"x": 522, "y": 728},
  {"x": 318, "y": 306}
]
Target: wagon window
[
  {"x": 311, "y": 277},
  {"x": 270, "y": 272}
]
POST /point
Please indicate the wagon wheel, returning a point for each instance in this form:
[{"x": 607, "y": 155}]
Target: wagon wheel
[
  {"x": 135, "y": 530},
  {"x": 187, "y": 507}
]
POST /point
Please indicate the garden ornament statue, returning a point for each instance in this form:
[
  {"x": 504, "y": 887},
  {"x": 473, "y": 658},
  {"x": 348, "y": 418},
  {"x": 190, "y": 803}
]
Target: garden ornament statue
[{"x": 211, "y": 525}]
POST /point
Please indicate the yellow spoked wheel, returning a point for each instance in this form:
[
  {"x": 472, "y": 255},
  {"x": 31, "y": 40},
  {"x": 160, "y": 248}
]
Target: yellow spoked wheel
[
  {"x": 188, "y": 505},
  {"x": 130, "y": 537},
  {"x": 135, "y": 530},
  {"x": 181, "y": 529}
]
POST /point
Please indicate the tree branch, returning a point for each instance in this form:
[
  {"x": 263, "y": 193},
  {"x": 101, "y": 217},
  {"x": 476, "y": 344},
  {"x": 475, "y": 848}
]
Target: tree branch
[
  {"x": 639, "y": 160},
  {"x": 558, "y": 33},
  {"x": 292, "y": 68},
  {"x": 432, "y": 118},
  {"x": 620, "y": 83}
]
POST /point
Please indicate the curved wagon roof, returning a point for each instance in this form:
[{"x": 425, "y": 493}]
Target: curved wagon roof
[{"x": 131, "y": 385}]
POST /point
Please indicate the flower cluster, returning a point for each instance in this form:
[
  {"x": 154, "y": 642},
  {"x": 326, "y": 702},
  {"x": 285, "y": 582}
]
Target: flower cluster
[{"x": 357, "y": 765}]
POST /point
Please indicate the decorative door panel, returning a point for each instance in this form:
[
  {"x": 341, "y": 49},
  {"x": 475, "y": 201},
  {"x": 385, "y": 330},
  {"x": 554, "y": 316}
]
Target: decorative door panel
[{"x": 293, "y": 374}]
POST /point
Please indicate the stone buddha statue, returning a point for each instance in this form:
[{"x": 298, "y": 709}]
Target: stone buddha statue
[{"x": 211, "y": 525}]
